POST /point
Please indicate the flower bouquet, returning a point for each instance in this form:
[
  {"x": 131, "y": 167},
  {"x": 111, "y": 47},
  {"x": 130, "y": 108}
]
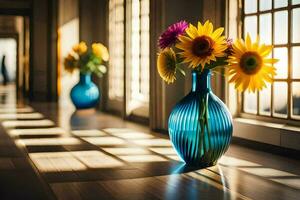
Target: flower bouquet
[
  {"x": 87, "y": 61},
  {"x": 200, "y": 125},
  {"x": 85, "y": 94}
]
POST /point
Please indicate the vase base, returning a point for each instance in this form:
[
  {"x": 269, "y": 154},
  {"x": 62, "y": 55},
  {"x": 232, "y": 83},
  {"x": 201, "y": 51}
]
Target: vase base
[
  {"x": 86, "y": 111},
  {"x": 200, "y": 165}
]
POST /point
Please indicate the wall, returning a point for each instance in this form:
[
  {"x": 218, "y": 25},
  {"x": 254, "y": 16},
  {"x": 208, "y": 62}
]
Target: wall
[
  {"x": 93, "y": 27},
  {"x": 68, "y": 28}
]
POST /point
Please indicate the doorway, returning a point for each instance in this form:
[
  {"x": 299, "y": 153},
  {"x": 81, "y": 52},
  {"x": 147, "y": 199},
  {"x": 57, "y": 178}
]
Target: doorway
[{"x": 14, "y": 54}]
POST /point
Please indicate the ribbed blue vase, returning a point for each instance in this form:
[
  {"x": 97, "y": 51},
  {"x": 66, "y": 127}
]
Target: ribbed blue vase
[
  {"x": 85, "y": 94},
  {"x": 198, "y": 143}
]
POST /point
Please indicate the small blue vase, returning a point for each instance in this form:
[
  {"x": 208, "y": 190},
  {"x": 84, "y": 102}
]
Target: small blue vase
[
  {"x": 85, "y": 94},
  {"x": 200, "y": 125}
]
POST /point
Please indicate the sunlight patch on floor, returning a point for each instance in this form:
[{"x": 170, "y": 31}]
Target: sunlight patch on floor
[
  {"x": 117, "y": 130},
  {"x": 216, "y": 180},
  {"x": 104, "y": 141},
  {"x": 49, "y": 141},
  {"x": 87, "y": 133},
  {"x": 37, "y": 131},
  {"x": 126, "y": 150},
  {"x": 132, "y": 135},
  {"x": 164, "y": 150},
  {"x": 73, "y": 161},
  {"x": 27, "y": 123},
  {"x": 282, "y": 177},
  {"x": 157, "y": 142},
  {"x": 267, "y": 172},
  {"x": 14, "y": 116},
  {"x": 235, "y": 162},
  {"x": 291, "y": 182},
  {"x": 16, "y": 110},
  {"x": 56, "y": 162},
  {"x": 96, "y": 159},
  {"x": 143, "y": 158}
]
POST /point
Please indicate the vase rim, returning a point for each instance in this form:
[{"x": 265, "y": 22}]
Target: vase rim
[
  {"x": 86, "y": 73},
  {"x": 203, "y": 71},
  {"x": 201, "y": 80}
]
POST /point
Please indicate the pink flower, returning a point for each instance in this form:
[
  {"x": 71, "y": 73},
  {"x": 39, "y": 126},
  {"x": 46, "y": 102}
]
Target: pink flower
[{"x": 169, "y": 37}]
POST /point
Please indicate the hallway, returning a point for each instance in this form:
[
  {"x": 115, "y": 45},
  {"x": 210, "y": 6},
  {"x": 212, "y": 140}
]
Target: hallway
[{"x": 90, "y": 155}]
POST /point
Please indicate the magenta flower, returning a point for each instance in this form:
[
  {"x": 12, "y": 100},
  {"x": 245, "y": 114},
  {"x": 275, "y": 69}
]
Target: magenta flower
[{"x": 169, "y": 37}]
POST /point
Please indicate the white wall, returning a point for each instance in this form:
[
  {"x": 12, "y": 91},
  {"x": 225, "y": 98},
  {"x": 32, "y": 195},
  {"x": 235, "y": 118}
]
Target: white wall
[{"x": 69, "y": 35}]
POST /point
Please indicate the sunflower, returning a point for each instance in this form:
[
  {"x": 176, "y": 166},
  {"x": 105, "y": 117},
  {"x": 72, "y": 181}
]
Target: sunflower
[
  {"x": 201, "y": 44},
  {"x": 80, "y": 48},
  {"x": 70, "y": 63},
  {"x": 249, "y": 65},
  {"x": 166, "y": 65},
  {"x": 100, "y": 51}
]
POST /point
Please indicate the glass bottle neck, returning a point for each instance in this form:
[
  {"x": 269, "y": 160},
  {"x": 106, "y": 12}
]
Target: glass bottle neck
[
  {"x": 201, "y": 81},
  {"x": 85, "y": 78}
]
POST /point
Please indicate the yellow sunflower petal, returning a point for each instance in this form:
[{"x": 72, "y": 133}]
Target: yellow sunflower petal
[
  {"x": 249, "y": 66},
  {"x": 192, "y": 48}
]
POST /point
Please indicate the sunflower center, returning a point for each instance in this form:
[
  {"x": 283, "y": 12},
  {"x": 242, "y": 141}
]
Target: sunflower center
[
  {"x": 202, "y": 46},
  {"x": 251, "y": 63},
  {"x": 170, "y": 61}
]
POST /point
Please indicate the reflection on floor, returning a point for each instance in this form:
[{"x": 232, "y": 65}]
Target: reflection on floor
[{"x": 89, "y": 155}]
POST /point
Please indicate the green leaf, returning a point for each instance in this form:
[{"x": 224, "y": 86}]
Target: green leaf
[
  {"x": 181, "y": 71},
  {"x": 102, "y": 69}
]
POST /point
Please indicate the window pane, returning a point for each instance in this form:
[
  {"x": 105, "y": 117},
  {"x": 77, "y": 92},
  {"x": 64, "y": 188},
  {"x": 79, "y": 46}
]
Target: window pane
[
  {"x": 139, "y": 57},
  {"x": 296, "y": 62},
  {"x": 280, "y": 3},
  {"x": 295, "y": 24},
  {"x": 282, "y": 65},
  {"x": 265, "y": 100},
  {"x": 265, "y": 5},
  {"x": 295, "y": 1},
  {"x": 250, "y": 102},
  {"x": 265, "y": 28},
  {"x": 280, "y": 99},
  {"x": 116, "y": 49},
  {"x": 250, "y": 26},
  {"x": 250, "y": 6},
  {"x": 281, "y": 27},
  {"x": 296, "y": 99}
]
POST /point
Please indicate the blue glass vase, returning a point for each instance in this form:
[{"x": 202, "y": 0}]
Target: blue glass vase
[
  {"x": 85, "y": 94},
  {"x": 200, "y": 125}
]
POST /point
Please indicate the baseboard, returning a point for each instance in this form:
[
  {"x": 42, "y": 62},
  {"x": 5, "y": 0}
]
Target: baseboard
[{"x": 282, "y": 151}]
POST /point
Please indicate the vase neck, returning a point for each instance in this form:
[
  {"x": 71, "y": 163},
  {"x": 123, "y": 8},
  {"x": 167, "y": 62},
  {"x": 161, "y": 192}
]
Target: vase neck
[
  {"x": 85, "y": 78},
  {"x": 201, "y": 81}
]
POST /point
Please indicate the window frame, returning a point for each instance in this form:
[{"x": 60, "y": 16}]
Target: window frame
[
  {"x": 116, "y": 104},
  {"x": 122, "y": 105},
  {"x": 140, "y": 113},
  {"x": 289, "y": 80}
]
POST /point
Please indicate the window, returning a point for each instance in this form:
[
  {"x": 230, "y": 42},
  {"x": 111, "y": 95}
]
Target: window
[
  {"x": 129, "y": 89},
  {"x": 139, "y": 57},
  {"x": 116, "y": 49},
  {"x": 277, "y": 23}
]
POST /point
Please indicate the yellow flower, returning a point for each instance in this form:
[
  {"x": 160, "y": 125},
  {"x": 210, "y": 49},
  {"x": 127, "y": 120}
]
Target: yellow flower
[
  {"x": 249, "y": 65},
  {"x": 166, "y": 65},
  {"x": 201, "y": 44},
  {"x": 80, "y": 48},
  {"x": 70, "y": 63},
  {"x": 100, "y": 51}
]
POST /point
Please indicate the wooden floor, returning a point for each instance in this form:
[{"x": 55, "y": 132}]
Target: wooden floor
[{"x": 48, "y": 152}]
